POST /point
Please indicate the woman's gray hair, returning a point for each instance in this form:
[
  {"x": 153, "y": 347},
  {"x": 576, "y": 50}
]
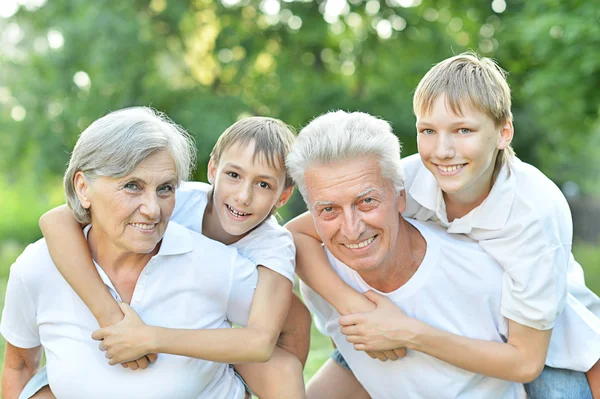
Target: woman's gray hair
[
  {"x": 115, "y": 144},
  {"x": 342, "y": 136}
]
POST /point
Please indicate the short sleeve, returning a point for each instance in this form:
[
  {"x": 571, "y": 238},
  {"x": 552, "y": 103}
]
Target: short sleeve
[
  {"x": 19, "y": 322},
  {"x": 244, "y": 278},
  {"x": 535, "y": 261},
  {"x": 271, "y": 246}
]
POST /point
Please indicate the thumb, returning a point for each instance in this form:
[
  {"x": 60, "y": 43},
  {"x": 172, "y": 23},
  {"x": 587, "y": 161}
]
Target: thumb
[
  {"x": 374, "y": 297},
  {"x": 99, "y": 335},
  {"x": 126, "y": 309}
]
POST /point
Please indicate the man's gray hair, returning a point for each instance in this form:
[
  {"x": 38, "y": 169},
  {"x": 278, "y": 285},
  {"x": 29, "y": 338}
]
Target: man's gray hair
[
  {"x": 115, "y": 144},
  {"x": 342, "y": 136}
]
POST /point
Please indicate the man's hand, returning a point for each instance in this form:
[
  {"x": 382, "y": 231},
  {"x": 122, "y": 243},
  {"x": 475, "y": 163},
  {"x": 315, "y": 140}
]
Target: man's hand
[
  {"x": 387, "y": 328},
  {"x": 127, "y": 340}
]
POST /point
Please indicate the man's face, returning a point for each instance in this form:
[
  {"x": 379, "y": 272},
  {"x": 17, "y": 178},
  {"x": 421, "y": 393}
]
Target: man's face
[{"x": 356, "y": 212}]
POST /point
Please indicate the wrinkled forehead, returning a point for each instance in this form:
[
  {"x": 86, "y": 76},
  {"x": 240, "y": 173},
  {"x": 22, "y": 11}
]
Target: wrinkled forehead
[{"x": 345, "y": 182}]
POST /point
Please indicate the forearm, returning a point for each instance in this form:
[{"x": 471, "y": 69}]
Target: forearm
[
  {"x": 295, "y": 335},
  {"x": 70, "y": 253},
  {"x": 494, "y": 359},
  {"x": 20, "y": 365},
  {"x": 224, "y": 345},
  {"x": 14, "y": 380},
  {"x": 313, "y": 268}
]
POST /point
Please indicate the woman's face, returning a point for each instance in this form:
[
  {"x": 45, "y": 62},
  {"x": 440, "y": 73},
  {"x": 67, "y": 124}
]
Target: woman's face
[{"x": 131, "y": 213}]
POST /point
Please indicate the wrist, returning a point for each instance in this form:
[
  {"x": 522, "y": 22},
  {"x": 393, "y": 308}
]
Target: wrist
[
  {"x": 107, "y": 320},
  {"x": 152, "y": 339},
  {"x": 412, "y": 336}
]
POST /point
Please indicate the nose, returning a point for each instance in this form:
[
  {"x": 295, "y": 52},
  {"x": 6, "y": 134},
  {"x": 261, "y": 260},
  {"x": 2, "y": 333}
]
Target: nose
[
  {"x": 352, "y": 225},
  {"x": 445, "y": 148},
  {"x": 244, "y": 195},
  {"x": 150, "y": 206}
]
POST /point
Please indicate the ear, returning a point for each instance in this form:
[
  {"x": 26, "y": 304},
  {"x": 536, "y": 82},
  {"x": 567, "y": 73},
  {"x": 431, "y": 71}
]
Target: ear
[
  {"x": 402, "y": 201},
  {"x": 506, "y": 135},
  {"x": 285, "y": 196},
  {"x": 212, "y": 170},
  {"x": 82, "y": 189}
]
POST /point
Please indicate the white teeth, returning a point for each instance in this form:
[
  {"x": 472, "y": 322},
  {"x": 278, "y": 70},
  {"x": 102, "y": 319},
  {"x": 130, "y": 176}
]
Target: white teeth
[
  {"x": 450, "y": 168},
  {"x": 143, "y": 226},
  {"x": 360, "y": 244},
  {"x": 236, "y": 213}
]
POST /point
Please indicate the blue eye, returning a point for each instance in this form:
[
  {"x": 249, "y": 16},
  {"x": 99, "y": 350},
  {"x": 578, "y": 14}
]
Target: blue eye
[
  {"x": 464, "y": 130},
  {"x": 427, "y": 131},
  {"x": 368, "y": 200},
  {"x": 131, "y": 186},
  {"x": 166, "y": 189}
]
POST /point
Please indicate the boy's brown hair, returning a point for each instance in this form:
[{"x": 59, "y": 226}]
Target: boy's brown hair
[{"x": 477, "y": 80}]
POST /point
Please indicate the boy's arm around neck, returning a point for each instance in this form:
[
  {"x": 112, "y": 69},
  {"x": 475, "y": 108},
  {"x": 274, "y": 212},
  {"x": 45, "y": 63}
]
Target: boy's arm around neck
[{"x": 71, "y": 255}]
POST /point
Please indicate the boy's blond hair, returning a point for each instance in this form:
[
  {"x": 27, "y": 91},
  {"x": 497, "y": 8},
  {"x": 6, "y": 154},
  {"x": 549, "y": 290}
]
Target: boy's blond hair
[
  {"x": 477, "y": 80},
  {"x": 272, "y": 140}
]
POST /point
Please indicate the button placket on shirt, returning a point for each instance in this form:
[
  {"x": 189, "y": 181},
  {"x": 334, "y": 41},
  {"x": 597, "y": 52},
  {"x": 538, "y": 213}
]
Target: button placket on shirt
[{"x": 140, "y": 287}]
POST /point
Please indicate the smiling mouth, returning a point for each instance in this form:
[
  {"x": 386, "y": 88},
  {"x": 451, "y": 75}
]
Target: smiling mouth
[
  {"x": 450, "y": 168},
  {"x": 361, "y": 244},
  {"x": 144, "y": 226},
  {"x": 236, "y": 213}
]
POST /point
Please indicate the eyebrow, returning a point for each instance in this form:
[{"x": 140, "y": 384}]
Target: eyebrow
[
  {"x": 237, "y": 167},
  {"x": 169, "y": 180},
  {"x": 367, "y": 191}
]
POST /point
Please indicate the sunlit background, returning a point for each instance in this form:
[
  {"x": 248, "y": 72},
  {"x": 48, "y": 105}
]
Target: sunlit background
[{"x": 64, "y": 63}]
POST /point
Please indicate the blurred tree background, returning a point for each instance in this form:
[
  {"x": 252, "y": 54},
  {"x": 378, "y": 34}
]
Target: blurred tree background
[{"x": 207, "y": 63}]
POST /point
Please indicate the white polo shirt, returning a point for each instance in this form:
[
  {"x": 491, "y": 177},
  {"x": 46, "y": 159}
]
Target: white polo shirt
[
  {"x": 192, "y": 283},
  {"x": 269, "y": 244},
  {"x": 456, "y": 289},
  {"x": 525, "y": 224}
]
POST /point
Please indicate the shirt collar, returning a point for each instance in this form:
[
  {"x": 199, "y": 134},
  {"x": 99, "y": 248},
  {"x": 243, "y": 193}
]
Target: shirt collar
[
  {"x": 491, "y": 214},
  {"x": 426, "y": 191}
]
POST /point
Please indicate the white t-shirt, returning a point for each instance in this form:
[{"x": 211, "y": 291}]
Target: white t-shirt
[
  {"x": 180, "y": 287},
  {"x": 525, "y": 224},
  {"x": 448, "y": 292},
  {"x": 269, "y": 245}
]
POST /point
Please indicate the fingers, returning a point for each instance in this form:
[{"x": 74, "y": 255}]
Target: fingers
[
  {"x": 142, "y": 362},
  {"x": 400, "y": 352},
  {"x": 391, "y": 355},
  {"x": 99, "y": 334},
  {"x": 102, "y": 346},
  {"x": 152, "y": 357},
  {"x": 350, "y": 330},
  {"x": 125, "y": 308},
  {"x": 351, "y": 319},
  {"x": 132, "y": 365},
  {"x": 374, "y": 296}
]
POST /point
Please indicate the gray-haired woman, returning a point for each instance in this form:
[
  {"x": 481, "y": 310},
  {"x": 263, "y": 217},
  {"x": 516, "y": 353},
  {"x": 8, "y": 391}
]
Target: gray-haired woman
[{"x": 121, "y": 179}]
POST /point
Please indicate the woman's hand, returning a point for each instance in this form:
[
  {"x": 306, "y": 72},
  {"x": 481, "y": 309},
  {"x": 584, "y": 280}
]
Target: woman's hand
[
  {"x": 127, "y": 340},
  {"x": 387, "y": 328}
]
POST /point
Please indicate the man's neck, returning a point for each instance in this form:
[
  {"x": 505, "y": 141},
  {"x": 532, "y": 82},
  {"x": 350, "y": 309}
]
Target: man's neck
[{"x": 399, "y": 268}]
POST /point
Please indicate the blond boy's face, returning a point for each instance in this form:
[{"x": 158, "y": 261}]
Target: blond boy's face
[
  {"x": 460, "y": 150},
  {"x": 245, "y": 190}
]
